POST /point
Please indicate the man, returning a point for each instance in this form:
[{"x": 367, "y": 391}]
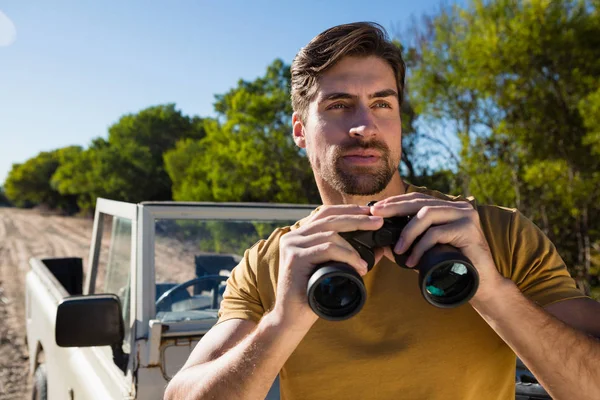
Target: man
[{"x": 347, "y": 86}]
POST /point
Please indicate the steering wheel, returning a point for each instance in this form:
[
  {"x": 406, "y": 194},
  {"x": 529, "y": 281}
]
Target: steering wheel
[{"x": 182, "y": 286}]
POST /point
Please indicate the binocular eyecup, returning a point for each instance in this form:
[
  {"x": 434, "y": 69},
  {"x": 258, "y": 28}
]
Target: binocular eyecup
[{"x": 447, "y": 278}]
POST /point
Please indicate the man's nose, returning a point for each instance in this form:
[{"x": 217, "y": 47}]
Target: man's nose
[{"x": 363, "y": 123}]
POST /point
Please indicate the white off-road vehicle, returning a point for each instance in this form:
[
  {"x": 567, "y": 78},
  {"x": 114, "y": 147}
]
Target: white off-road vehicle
[{"x": 153, "y": 284}]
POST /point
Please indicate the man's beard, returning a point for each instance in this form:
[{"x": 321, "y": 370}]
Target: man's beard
[{"x": 356, "y": 179}]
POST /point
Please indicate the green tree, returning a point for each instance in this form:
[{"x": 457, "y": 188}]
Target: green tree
[
  {"x": 420, "y": 146},
  {"x": 248, "y": 153},
  {"x": 590, "y": 112},
  {"x": 28, "y": 184},
  {"x": 3, "y": 199},
  {"x": 129, "y": 165},
  {"x": 517, "y": 83},
  {"x": 105, "y": 171},
  {"x": 155, "y": 130}
]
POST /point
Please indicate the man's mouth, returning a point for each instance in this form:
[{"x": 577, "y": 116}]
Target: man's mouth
[
  {"x": 363, "y": 153},
  {"x": 363, "y": 157}
]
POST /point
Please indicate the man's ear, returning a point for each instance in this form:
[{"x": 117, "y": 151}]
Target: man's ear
[{"x": 298, "y": 131}]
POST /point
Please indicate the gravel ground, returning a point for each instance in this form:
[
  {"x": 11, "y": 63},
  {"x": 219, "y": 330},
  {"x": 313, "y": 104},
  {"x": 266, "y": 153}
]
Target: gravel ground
[{"x": 25, "y": 234}]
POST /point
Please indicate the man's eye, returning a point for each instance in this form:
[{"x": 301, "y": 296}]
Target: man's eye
[
  {"x": 382, "y": 104},
  {"x": 337, "y": 106}
]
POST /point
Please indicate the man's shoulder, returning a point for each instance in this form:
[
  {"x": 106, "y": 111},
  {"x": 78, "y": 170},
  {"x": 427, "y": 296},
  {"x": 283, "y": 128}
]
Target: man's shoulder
[
  {"x": 265, "y": 250},
  {"x": 263, "y": 247}
]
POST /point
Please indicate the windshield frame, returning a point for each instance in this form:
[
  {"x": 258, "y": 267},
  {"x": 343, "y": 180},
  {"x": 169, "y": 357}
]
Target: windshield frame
[{"x": 149, "y": 212}]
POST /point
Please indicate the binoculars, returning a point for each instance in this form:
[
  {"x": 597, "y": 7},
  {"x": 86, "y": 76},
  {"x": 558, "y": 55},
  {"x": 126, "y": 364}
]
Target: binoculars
[{"x": 447, "y": 278}]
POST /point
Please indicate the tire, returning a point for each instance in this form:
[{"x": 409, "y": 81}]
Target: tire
[{"x": 40, "y": 384}]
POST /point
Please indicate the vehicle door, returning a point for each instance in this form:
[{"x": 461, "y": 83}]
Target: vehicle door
[{"x": 110, "y": 270}]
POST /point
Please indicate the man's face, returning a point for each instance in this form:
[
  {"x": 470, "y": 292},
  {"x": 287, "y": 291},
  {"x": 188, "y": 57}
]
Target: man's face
[{"x": 352, "y": 132}]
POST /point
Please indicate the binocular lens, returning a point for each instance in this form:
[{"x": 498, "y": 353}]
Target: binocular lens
[
  {"x": 448, "y": 283},
  {"x": 336, "y": 292}
]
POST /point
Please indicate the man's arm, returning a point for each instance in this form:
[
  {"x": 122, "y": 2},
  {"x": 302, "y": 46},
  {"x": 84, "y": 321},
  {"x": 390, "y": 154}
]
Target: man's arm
[
  {"x": 582, "y": 314},
  {"x": 247, "y": 370},
  {"x": 562, "y": 358}
]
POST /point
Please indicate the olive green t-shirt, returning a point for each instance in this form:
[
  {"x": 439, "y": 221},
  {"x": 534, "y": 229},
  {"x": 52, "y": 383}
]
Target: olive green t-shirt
[{"x": 399, "y": 346}]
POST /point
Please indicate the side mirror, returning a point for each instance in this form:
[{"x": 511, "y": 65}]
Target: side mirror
[{"x": 91, "y": 320}]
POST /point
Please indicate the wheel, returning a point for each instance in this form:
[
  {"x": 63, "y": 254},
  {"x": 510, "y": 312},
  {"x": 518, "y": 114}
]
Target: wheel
[
  {"x": 169, "y": 293},
  {"x": 40, "y": 383}
]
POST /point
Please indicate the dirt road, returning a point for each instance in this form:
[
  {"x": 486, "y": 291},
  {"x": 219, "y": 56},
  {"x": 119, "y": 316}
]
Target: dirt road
[{"x": 25, "y": 234}]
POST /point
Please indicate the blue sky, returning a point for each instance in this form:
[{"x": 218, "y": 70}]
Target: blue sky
[{"x": 76, "y": 66}]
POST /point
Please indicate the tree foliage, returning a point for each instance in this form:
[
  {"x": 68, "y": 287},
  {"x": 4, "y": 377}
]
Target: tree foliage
[
  {"x": 248, "y": 153},
  {"x": 517, "y": 83},
  {"x": 129, "y": 165},
  {"x": 28, "y": 184},
  {"x": 3, "y": 199},
  {"x": 105, "y": 171},
  {"x": 590, "y": 112}
]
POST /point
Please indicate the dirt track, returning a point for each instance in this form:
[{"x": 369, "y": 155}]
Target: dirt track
[
  {"x": 25, "y": 234},
  {"x": 28, "y": 233}
]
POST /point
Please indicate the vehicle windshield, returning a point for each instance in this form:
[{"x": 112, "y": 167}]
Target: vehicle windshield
[{"x": 193, "y": 259}]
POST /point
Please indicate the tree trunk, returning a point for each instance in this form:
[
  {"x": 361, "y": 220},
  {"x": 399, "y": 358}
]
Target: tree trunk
[
  {"x": 545, "y": 223},
  {"x": 587, "y": 258},
  {"x": 409, "y": 166},
  {"x": 582, "y": 268}
]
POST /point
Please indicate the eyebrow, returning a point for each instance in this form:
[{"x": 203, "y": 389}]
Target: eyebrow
[{"x": 342, "y": 95}]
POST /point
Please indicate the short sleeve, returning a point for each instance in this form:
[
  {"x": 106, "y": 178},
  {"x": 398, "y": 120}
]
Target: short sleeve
[
  {"x": 537, "y": 268},
  {"x": 241, "y": 297}
]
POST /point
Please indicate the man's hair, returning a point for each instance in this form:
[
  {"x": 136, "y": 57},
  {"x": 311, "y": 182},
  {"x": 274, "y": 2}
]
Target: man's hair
[{"x": 359, "y": 39}]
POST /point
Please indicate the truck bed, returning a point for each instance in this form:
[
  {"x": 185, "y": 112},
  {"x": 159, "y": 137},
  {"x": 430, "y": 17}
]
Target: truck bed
[{"x": 47, "y": 283}]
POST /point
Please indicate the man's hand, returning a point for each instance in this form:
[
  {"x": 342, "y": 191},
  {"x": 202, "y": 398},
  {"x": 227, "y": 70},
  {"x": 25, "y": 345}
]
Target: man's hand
[
  {"x": 446, "y": 222},
  {"x": 316, "y": 242}
]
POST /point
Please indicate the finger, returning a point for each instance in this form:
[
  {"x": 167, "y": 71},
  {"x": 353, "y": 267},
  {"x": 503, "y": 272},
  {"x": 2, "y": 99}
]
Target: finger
[
  {"x": 443, "y": 234},
  {"x": 379, "y": 253},
  {"x": 329, "y": 251},
  {"x": 315, "y": 239},
  {"x": 342, "y": 209},
  {"x": 425, "y": 218},
  {"x": 344, "y": 223},
  {"x": 412, "y": 206},
  {"x": 404, "y": 197}
]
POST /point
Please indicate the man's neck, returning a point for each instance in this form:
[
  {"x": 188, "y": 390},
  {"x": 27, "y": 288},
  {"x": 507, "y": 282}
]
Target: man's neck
[{"x": 329, "y": 196}]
